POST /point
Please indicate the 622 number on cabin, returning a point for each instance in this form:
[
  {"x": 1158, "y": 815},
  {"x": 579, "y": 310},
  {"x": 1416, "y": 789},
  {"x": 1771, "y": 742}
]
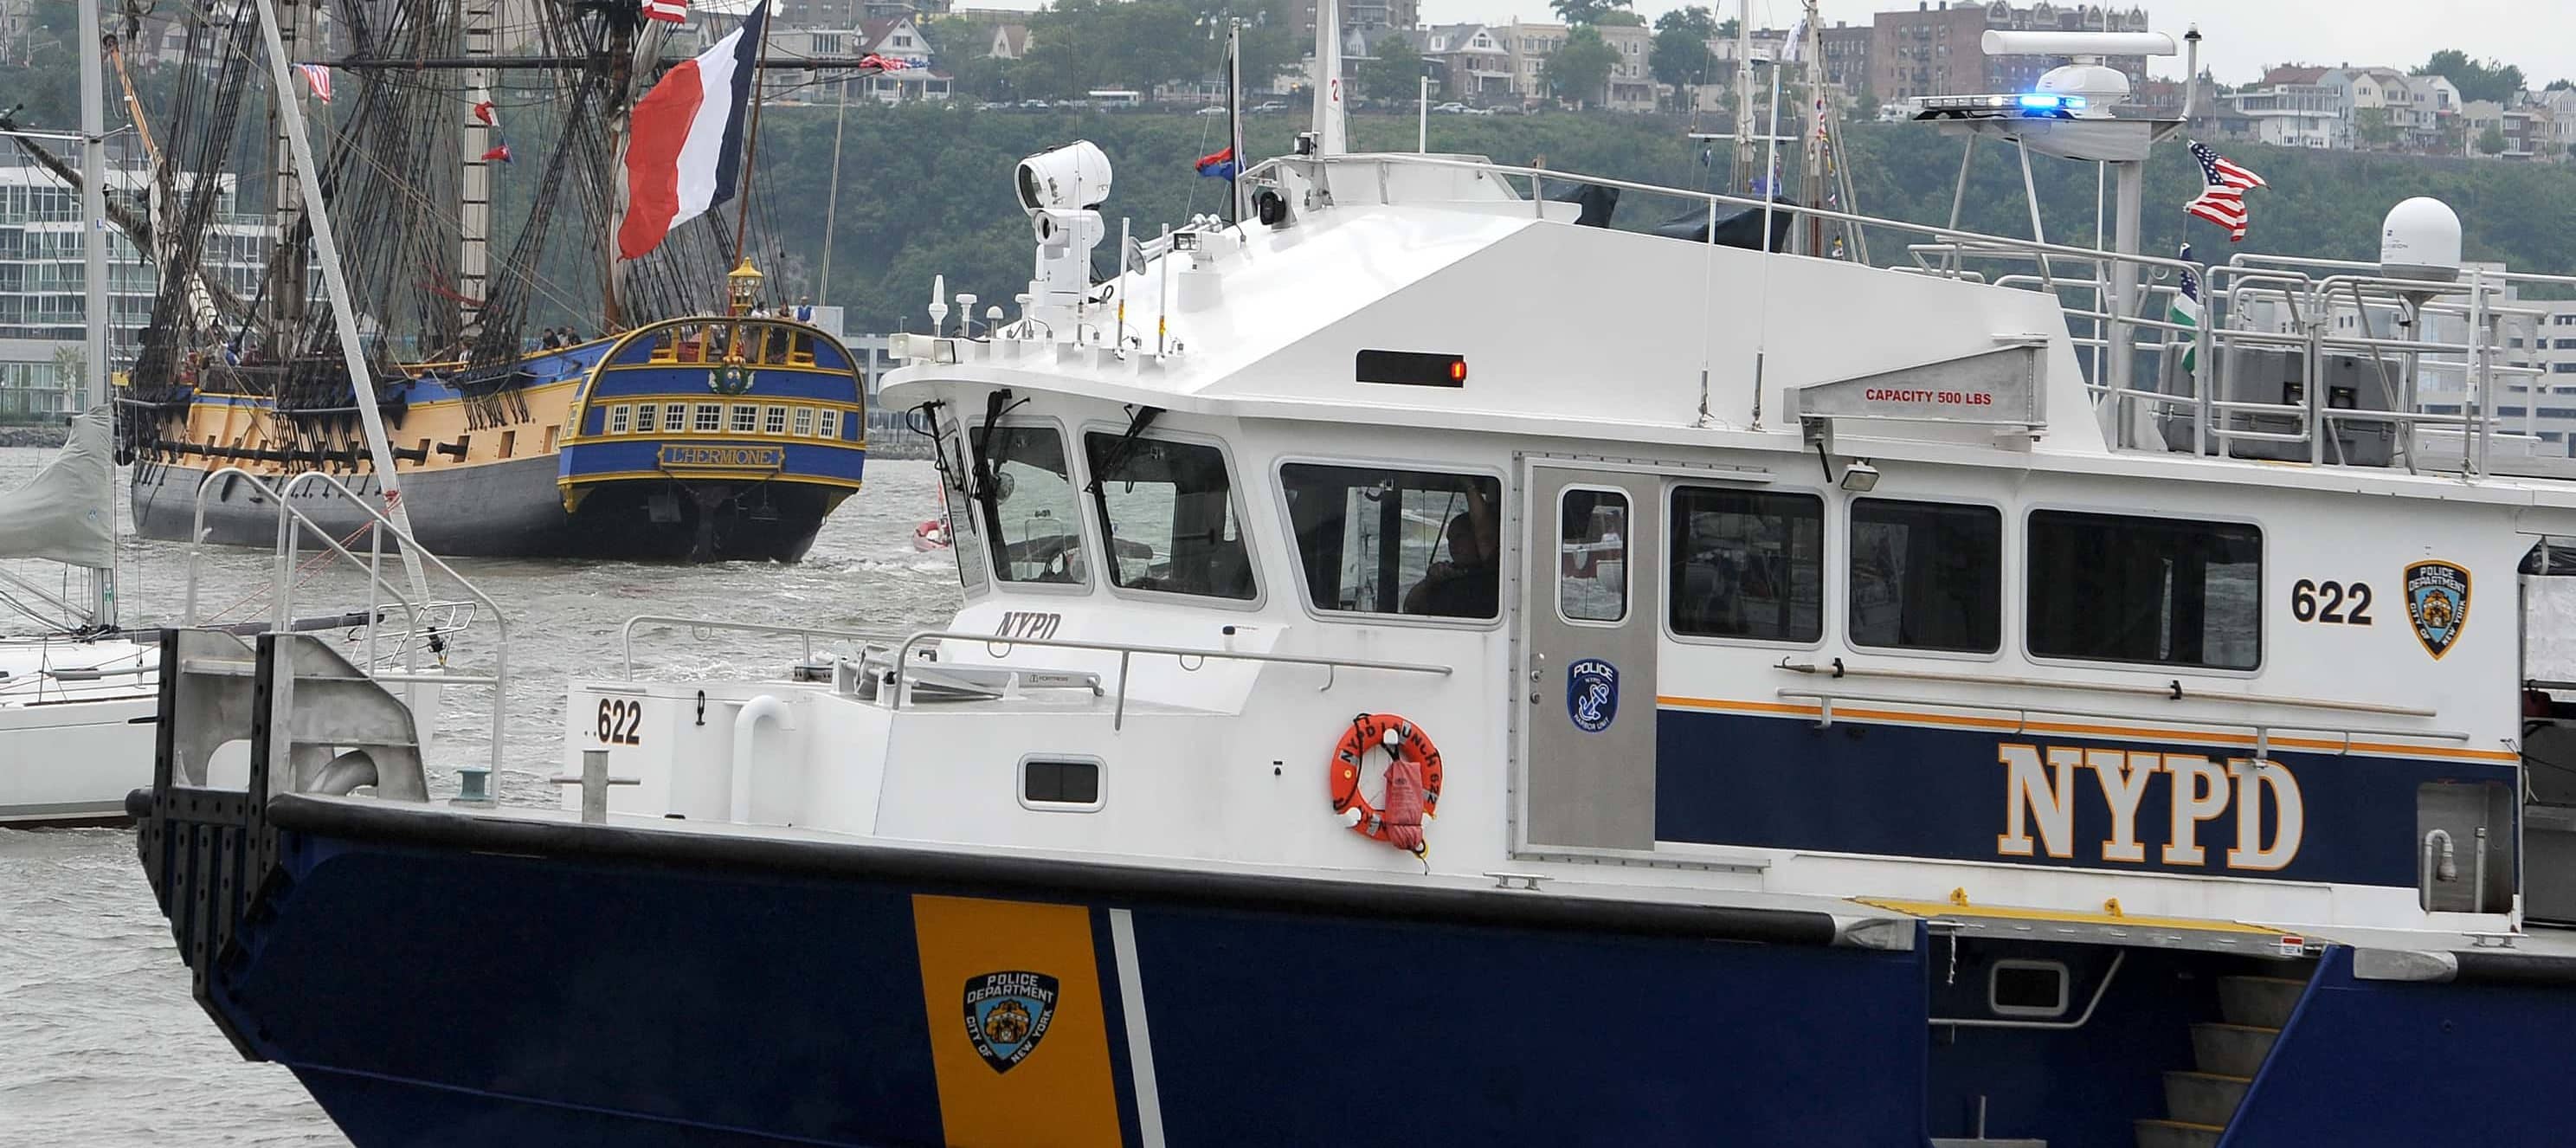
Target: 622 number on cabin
[
  {"x": 621, "y": 721},
  {"x": 2332, "y": 603}
]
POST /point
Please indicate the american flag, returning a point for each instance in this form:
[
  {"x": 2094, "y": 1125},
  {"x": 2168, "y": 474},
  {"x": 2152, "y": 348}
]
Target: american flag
[
  {"x": 319, "y": 78},
  {"x": 2222, "y": 198},
  {"x": 668, "y": 11}
]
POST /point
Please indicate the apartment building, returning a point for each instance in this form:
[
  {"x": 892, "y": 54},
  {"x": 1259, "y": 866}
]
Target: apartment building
[
  {"x": 1936, "y": 49},
  {"x": 41, "y": 273}
]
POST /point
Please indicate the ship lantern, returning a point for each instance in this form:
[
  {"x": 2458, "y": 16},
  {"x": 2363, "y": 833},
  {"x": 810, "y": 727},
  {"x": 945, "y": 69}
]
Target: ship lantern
[{"x": 742, "y": 288}]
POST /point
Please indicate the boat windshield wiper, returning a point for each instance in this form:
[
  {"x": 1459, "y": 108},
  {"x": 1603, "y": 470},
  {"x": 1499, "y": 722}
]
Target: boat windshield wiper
[
  {"x": 1126, "y": 444},
  {"x": 994, "y": 404}
]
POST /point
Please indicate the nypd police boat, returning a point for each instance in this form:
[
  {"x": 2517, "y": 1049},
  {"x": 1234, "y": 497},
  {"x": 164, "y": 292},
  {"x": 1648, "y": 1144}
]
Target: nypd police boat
[{"x": 1435, "y": 669}]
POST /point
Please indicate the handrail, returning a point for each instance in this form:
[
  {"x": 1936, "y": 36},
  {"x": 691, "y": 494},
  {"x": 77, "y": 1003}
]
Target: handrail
[
  {"x": 284, "y": 588},
  {"x": 2262, "y": 730},
  {"x": 626, "y": 634},
  {"x": 1127, "y": 650},
  {"x": 2172, "y": 691}
]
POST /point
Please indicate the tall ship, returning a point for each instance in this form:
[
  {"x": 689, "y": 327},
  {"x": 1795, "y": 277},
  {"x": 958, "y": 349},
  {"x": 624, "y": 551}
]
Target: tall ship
[
  {"x": 685, "y": 413},
  {"x": 1438, "y": 666}
]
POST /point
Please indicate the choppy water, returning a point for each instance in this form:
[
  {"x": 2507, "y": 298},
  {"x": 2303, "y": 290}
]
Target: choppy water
[{"x": 100, "y": 1044}]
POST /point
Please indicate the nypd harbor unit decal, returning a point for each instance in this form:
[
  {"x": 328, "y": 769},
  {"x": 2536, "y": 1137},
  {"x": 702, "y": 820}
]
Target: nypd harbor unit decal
[
  {"x": 1592, "y": 694},
  {"x": 1007, "y": 1015},
  {"x": 2437, "y": 602}
]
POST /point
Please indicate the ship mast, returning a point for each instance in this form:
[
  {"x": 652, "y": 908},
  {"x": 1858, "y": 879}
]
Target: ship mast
[
  {"x": 474, "y": 213},
  {"x": 284, "y": 307}
]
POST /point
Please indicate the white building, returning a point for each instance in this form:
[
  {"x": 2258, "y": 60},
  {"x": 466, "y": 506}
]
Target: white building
[
  {"x": 41, "y": 279},
  {"x": 2291, "y": 107},
  {"x": 40, "y": 380}
]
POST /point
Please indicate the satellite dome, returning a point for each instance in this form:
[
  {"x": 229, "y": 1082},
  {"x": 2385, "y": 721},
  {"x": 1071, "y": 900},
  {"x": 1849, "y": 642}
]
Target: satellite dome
[{"x": 2420, "y": 240}]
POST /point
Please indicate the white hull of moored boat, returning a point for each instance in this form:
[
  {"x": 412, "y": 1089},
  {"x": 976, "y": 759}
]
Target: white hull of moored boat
[{"x": 72, "y": 746}]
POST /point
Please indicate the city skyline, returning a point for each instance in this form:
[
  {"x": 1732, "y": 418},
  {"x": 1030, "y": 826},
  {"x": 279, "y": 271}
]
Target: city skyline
[{"x": 2239, "y": 37}]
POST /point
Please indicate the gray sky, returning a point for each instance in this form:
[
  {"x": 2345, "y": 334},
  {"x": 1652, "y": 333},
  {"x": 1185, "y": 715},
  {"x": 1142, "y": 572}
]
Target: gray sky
[{"x": 2240, "y": 36}]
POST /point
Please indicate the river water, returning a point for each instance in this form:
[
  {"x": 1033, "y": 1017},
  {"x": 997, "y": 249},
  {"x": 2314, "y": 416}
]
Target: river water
[{"x": 100, "y": 1043}]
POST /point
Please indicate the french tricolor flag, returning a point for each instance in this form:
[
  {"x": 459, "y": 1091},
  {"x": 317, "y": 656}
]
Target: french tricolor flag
[{"x": 684, "y": 145}]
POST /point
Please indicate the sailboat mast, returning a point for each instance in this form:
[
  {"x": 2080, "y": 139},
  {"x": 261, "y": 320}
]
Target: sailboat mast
[
  {"x": 344, "y": 313},
  {"x": 93, "y": 198},
  {"x": 474, "y": 213}
]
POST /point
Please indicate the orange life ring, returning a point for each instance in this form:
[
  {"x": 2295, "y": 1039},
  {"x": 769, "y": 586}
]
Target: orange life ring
[{"x": 1410, "y": 746}]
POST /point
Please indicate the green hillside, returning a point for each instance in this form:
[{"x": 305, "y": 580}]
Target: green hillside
[{"x": 925, "y": 190}]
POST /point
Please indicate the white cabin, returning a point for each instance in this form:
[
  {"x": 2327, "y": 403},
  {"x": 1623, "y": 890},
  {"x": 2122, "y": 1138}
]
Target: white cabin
[{"x": 1712, "y": 573}]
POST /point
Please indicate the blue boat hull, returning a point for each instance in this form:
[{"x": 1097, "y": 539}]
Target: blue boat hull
[{"x": 435, "y": 978}]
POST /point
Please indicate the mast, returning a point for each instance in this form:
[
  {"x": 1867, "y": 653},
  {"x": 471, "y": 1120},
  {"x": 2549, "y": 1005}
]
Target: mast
[
  {"x": 1743, "y": 97},
  {"x": 286, "y": 272},
  {"x": 1233, "y": 119},
  {"x": 1811, "y": 151},
  {"x": 93, "y": 198},
  {"x": 751, "y": 139},
  {"x": 344, "y": 313},
  {"x": 832, "y": 196},
  {"x": 474, "y": 212}
]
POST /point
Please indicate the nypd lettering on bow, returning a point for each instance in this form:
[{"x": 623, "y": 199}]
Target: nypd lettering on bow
[{"x": 2043, "y": 788}]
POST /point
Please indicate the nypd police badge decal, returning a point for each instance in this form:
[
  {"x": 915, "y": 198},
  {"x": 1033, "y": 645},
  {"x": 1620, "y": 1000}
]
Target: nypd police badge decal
[
  {"x": 1592, "y": 694},
  {"x": 1007, "y": 1015},
  {"x": 2437, "y": 602}
]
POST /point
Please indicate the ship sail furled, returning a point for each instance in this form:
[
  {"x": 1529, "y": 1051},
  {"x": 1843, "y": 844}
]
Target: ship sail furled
[{"x": 61, "y": 515}]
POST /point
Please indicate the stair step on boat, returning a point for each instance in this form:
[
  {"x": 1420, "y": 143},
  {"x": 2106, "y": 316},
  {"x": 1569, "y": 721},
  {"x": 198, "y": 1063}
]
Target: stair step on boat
[
  {"x": 2204, "y": 1097},
  {"x": 2263, "y": 1002},
  {"x": 2231, "y": 1049},
  {"x": 2178, "y": 1134}
]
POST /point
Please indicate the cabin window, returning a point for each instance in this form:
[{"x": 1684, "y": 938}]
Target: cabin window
[
  {"x": 774, "y": 421},
  {"x": 2034, "y": 989},
  {"x": 1592, "y": 555},
  {"x": 746, "y": 418},
  {"x": 1927, "y": 576},
  {"x": 617, "y": 419},
  {"x": 675, "y": 418},
  {"x": 1026, "y": 490},
  {"x": 510, "y": 438},
  {"x": 827, "y": 424},
  {"x": 1748, "y": 564},
  {"x": 710, "y": 417},
  {"x": 1170, "y": 511},
  {"x": 1378, "y": 541},
  {"x": 1060, "y": 783},
  {"x": 644, "y": 413},
  {"x": 804, "y": 421},
  {"x": 2122, "y": 588}
]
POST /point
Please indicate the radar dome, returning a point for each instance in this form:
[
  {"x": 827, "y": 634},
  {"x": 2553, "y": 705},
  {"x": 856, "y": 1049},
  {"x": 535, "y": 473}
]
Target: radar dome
[{"x": 2420, "y": 240}]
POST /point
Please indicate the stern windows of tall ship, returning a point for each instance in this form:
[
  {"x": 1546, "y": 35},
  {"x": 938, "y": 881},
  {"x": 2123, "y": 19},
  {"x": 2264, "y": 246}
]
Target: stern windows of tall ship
[
  {"x": 1173, "y": 524},
  {"x": 1402, "y": 542}
]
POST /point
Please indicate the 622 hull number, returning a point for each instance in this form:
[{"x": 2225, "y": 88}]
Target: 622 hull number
[
  {"x": 2333, "y": 603},
  {"x": 621, "y": 721}
]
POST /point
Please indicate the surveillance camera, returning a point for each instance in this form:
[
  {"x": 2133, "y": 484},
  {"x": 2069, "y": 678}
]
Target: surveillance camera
[{"x": 1074, "y": 177}]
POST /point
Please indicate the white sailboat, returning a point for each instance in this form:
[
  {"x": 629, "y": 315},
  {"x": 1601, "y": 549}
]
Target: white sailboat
[{"x": 76, "y": 705}]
